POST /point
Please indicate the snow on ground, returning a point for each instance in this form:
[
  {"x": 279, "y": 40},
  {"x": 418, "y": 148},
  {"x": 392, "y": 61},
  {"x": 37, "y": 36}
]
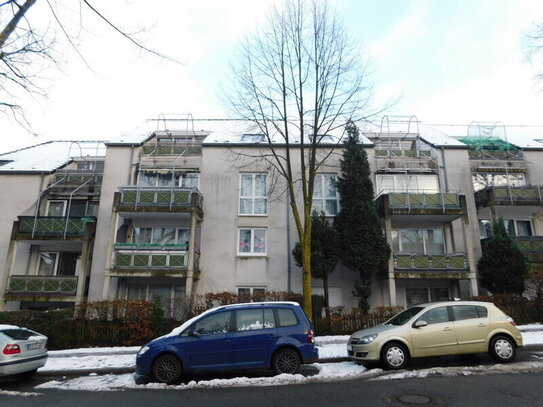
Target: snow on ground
[
  {"x": 18, "y": 393},
  {"x": 90, "y": 362}
]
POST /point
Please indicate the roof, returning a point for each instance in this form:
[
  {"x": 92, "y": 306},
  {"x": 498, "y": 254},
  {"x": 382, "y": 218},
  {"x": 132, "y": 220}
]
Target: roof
[{"x": 47, "y": 157}]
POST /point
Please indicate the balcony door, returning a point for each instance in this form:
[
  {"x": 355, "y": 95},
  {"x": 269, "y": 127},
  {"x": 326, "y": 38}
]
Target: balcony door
[{"x": 57, "y": 263}]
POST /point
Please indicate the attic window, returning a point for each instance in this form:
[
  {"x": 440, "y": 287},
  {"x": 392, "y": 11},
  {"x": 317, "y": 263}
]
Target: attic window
[
  {"x": 253, "y": 138},
  {"x": 322, "y": 138},
  {"x": 4, "y": 162}
]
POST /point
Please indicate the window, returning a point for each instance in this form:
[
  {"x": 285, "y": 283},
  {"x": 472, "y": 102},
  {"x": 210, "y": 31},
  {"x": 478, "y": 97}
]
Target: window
[
  {"x": 436, "y": 316},
  {"x": 252, "y": 241},
  {"x": 152, "y": 179},
  {"x": 462, "y": 312},
  {"x": 406, "y": 183},
  {"x": 286, "y": 317},
  {"x": 488, "y": 179},
  {"x": 253, "y": 138},
  {"x": 97, "y": 166},
  {"x": 160, "y": 236},
  {"x": 56, "y": 208},
  {"x": 513, "y": 227},
  {"x": 256, "y": 293},
  {"x": 76, "y": 207},
  {"x": 414, "y": 296},
  {"x": 252, "y": 319},
  {"x": 171, "y": 298},
  {"x": 428, "y": 241},
  {"x": 57, "y": 263},
  {"x": 214, "y": 324},
  {"x": 253, "y": 198},
  {"x": 325, "y": 196},
  {"x": 482, "y": 312}
]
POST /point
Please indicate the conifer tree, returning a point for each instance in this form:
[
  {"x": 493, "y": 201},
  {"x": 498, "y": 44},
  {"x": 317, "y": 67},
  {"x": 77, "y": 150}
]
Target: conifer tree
[
  {"x": 362, "y": 245},
  {"x": 502, "y": 266}
]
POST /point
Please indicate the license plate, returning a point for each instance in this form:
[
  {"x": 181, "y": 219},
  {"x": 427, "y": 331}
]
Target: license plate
[
  {"x": 349, "y": 348},
  {"x": 33, "y": 346}
]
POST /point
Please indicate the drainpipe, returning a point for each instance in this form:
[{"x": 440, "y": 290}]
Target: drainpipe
[
  {"x": 289, "y": 266},
  {"x": 445, "y": 180}
]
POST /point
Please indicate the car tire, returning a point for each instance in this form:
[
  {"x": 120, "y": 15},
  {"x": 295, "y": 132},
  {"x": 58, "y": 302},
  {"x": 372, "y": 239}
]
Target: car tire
[
  {"x": 394, "y": 356},
  {"x": 502, "y": 348},
  {"x": 26, "y": 375},
  {"x": 167, "y": 369},
  {"x": 286, "y": 361}
]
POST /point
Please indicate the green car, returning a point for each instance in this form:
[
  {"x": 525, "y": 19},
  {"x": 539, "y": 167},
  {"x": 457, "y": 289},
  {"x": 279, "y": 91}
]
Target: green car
[{"x": 437, "y": 329}]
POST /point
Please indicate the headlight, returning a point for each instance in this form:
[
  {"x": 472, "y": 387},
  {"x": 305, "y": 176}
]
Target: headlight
[
  {"x": 143, "y": 349},
  {"x": 367, "y": 339}
]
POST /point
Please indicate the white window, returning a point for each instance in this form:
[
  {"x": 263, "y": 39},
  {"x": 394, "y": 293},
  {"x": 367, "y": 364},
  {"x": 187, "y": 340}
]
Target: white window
[
  {"x": 253, "y": 198},
  {"x": 252, "y": 242},
  {"x": 416, "y": 183},
  {"x": 489, "y": 179},
  {"x": 414, "y": 241},
  {"x": 56, "y": 208},
  {"x": 160, "y": 235},
  {"x": 325, "y": 195}
]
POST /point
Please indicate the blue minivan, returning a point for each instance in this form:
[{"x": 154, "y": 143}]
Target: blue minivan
[{"x": 276, "y": 335}]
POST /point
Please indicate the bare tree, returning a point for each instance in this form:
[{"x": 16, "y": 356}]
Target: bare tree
[
  {"x": 535, "y": 47},
  {"x": 25, "y": 48},
  {"x": 299, "y": 78}
]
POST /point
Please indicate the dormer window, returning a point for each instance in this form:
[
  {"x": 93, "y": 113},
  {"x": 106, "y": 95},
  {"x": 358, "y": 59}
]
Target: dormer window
[{"x": 253, "y": 138}]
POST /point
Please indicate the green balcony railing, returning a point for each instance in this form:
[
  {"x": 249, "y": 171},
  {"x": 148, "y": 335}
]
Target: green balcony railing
[
  {"x": 137, "y": 196},
  {"x": 410, "y": 200},
  {"x": 43, "y": 285},
  {"x": 78, "y": 178},
  {"x": 514, "y": 195},
  {"x": 148, "y": 261},
  {"x": 391, "y": 153},
  {"x": 530, "y": 244},
  {"x": 421, "y": 262},
  {"x": 54, "y": 225},
  {"x": 172, "y": 149}
]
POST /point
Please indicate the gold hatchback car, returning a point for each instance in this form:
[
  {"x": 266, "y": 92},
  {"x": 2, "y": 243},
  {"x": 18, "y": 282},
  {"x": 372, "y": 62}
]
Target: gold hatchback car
[{"x": 436, "y": 329}]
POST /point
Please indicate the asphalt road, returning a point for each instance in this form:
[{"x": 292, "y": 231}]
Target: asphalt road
[{"x": 494, "y": 390}]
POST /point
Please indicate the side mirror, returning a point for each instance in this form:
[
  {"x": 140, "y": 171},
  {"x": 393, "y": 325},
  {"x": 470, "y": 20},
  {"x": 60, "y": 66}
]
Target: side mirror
[{"x": 420, "y": 323}]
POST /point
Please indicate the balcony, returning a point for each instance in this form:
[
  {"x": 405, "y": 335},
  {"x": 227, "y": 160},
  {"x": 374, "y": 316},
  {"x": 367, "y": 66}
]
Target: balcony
[
  {"x": 159, "y": 199},
  {"x": 172, "y": 149},
  {"x": 55, "y": 227},
  {"x": 42, "y": 285},
  {"x": 449, "y": 204},
  {"x": 150, "y": 259},
  {"x": 452, "y": 265},
  {"x": 394, "y": 159},
  {"x": 512, "y": 196}
]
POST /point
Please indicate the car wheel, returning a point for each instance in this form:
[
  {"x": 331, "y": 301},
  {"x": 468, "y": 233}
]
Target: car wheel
[
  {"x": 502, "y": 348},
  {"x": 27, "y": 375},
  {"x": 286, "y": 361},
  {"x": 394, "y": 356},
  {"x": 167, "y": 369}
]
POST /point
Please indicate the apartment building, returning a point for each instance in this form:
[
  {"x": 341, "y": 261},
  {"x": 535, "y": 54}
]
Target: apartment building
[{"x": 172, "y": 212}]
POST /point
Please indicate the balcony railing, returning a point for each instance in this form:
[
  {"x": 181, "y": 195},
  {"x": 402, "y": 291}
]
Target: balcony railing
[
  {"x": 530, "y": 244},
  {"x": 137, "y": 196},
  {"x": 526, "y": 195},
  {"x": 409, "y": 201},
  {"x": 495, "y": 155},
  {"x": 144, "y": 259},
  {"x": 54, "y": 225},
  {"x": 43, "y": 285},
  {"x": 78, "y": 177},
  {"x": 424, "y": 262},
  {"x": 390, "y": 153},
  {"x": 191, "y": 148}
]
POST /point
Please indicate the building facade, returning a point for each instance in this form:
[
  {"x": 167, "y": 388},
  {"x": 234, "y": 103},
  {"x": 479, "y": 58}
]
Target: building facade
[{"x": 177, "y": 213}]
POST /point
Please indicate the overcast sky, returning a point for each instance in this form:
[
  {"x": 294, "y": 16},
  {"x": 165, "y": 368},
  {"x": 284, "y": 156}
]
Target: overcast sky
[{"x": 446, "y": 61}]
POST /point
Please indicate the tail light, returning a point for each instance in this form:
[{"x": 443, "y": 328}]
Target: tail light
[
  {"x": 11, "y": 349},
  {"x": 310, "y": 336},
  {"x": 511, "y": 321}
]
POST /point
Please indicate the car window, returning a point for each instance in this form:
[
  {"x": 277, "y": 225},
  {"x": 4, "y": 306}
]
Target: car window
[
  {"x": 286, "y": 317},
  {"x": 462, "y": 312},
  {"x": 249, "y": 320},
  {"x": 404, "y": 316},
  {"x": 18, "y": 334},
  {"x": 482, "y": 312},
  {"x": 269, "y": 319},
  {"x": 214, "y": 324},
  {"x": 435, "y": 316}
]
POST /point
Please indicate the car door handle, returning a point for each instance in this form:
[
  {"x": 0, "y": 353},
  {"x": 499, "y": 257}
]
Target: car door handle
[
  {"x": 447, "y": 328},
  {"x": 482, "y": 324}
]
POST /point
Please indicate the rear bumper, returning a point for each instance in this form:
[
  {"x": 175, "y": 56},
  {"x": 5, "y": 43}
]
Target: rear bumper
[{"x": 16, "y": 366}]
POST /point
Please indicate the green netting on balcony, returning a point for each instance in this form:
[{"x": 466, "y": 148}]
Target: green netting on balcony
[
  {"x": 424, "y": 200},
  {"x": 488, "y": 143}
]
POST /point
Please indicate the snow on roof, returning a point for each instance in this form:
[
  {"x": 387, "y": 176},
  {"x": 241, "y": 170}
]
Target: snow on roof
[{"x": 49, "y": 156}]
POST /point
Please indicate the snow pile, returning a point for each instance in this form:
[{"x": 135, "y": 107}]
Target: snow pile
[
  {"x": 18, "y": 393},
  {"x": 90, "y": 362}
]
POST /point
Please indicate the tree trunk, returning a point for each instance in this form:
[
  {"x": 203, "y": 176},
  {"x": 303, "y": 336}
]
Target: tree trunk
[
  {"x": 326, "y": 297},
  {"x": 306, "y": 277}
]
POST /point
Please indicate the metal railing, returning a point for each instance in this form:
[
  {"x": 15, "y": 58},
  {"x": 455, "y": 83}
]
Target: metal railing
[
  {"x": 400, "y": 154},
  {"x": 410, "y": 261},
  {"x": 54, "y": 225},
  {"x": 160, "y": 196},
  {"x": 148, "y": 261},
  {"x": 530, "y": 244},
  {"x": 187, "y": 148},
  {"x": 510, "y": 194},
  {"x": 44, "y": 285},
  {"x": 495, "y": 155},
  {"x": 77, "y": 177},
  {"x": 423, "y": 200}
]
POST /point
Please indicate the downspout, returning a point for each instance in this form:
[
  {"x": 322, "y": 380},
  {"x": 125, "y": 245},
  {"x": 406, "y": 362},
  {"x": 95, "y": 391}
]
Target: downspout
[
  {"x": 289, "y": 265},
  {"x": 445, "y": 179}
]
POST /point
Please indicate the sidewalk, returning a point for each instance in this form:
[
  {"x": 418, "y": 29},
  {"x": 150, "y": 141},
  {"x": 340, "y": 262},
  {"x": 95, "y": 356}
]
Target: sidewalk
[{"x": 120, "y": 360}]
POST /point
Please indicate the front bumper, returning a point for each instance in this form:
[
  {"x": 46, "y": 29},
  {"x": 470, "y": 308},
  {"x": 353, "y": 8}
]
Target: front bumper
[
  {"x": 368, "y": 352},
  {"x": 16, "y": 366}
]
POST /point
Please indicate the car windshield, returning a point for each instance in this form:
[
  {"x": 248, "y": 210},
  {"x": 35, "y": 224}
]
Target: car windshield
[{"x": 404, "y": 316}]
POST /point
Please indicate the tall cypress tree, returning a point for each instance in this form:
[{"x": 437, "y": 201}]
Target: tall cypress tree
[
  {"x": 502, "y": 266},
  {"x": 362, "y": 245}
]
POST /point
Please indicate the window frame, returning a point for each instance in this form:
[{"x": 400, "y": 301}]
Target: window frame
[
  {"x": 428, "y": 292},
  {"x": 64, "y": 208},
  {"x": 322, "y": 177},
  {"x": 252, "y": 253},
  {"x": 396, "y": 184},
  {"x": 253, "y": 197},
  {"x": 56, "y": 266},
  {"x": 177, "y": 234},
  {"x": 424, "y": 241}
]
